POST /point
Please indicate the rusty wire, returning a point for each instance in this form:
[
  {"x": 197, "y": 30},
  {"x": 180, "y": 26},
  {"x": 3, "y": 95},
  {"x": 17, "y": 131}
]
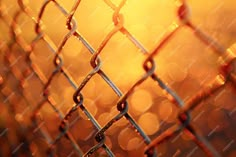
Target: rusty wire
[{"x": 184, "y": 124}]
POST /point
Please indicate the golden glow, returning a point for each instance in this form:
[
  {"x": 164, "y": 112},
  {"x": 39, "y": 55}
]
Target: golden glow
[
  {"x": 122, "y": 122},
  {"x": 141, "y": 101},
  {"x": 124, "y": 138},
  {"x": 176, "y": 73},
  {"x": 19, "y": 117},
  {"x": 133, "y": 143},
  {"x": 103, "y": 118},
  {"x": 185, "y": 64},
  {"x": 165, "y": 110},
  {"x": 89, "y": 89},
  {"x": 84, "y": 134},
  {"x": 90, "y": 106},
  {"x": 149, "y": 122},
  {"x": 72, "y": 49}
]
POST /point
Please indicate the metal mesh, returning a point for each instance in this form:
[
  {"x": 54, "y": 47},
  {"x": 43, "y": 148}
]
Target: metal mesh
[{"x": 38, "y": 121}]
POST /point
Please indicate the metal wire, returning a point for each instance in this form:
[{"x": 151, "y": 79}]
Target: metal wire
[{"x": 184, "y": 118}]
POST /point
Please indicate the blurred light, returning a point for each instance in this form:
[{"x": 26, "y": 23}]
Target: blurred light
[
  {"x": 90, "y": 106},
  {"x": 149, "y": 122},
  {"x": 141, "y": 101},
  {"x": 124, "y": 137},
  {"x": 165, "y": 110}
]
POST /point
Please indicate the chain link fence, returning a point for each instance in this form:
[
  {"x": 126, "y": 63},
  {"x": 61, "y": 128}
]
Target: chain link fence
[{"x": 78, "y": 79}]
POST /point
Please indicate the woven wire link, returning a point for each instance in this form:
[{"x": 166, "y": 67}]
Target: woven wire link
[{"x": 184, "y": 119}]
